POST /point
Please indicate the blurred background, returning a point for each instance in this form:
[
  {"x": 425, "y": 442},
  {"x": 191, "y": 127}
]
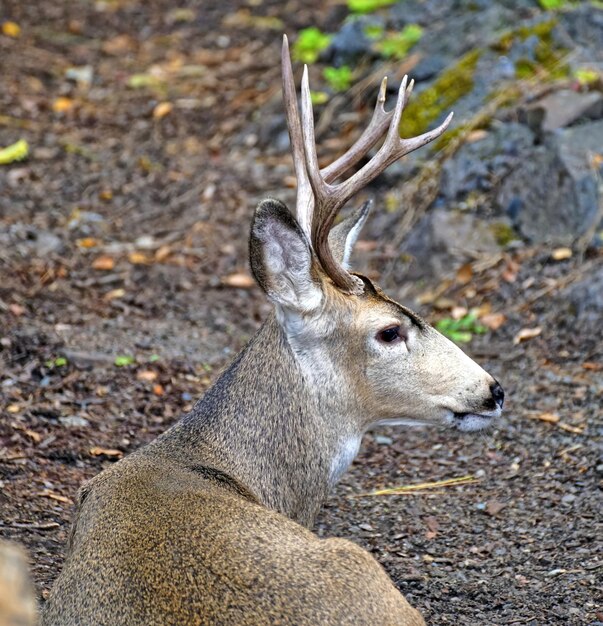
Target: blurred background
[{"x": 136, "y": 138}]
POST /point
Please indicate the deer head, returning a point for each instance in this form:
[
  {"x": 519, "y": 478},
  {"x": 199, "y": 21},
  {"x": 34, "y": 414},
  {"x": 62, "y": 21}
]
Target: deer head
[{"x": 364, "y": 355}]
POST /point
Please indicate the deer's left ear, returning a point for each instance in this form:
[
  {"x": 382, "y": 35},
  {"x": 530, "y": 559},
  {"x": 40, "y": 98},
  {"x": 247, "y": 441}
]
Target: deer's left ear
[
  {"x": 281, "y": 259},
  {"x": 343, "y": 236}
]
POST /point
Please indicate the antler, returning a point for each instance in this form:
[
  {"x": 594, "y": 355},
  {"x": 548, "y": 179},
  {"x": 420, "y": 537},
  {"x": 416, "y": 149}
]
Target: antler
[{"x": 318, "y": 201}]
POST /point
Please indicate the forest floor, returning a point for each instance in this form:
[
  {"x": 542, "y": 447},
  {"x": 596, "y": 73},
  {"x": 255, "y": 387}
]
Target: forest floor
[{"x": 124, "y": 290}]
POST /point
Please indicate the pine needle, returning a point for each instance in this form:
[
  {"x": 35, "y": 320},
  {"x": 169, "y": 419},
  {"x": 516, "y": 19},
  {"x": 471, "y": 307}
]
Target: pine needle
[{"x": 411, "y": 489}]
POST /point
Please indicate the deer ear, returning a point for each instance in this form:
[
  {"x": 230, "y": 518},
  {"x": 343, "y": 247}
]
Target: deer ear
[
  {"x": 343, "y": 236},
  {"x": 281, "y": 259}
]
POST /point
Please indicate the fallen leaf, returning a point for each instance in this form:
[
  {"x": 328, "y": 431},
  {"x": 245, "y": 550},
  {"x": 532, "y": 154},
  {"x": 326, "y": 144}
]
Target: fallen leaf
[
  {"x": 162, "y": 109},
  {"x": 106, "y": 195},
  {"x": 96, "y": 451},
  {"x": 240, "y": 280},
  {"x": 550, "y": 418},
  {"x": 476, "y": 135},
  {"x": 104, "y": 263},
  {"x": 162, "y": 253},
  {"x": 526, "y": 333},
  {"x": 560, "y": 254},
  {"x": 114, "y": 294},
  {"x": 432, "y": 527},
  {"x": 458, "y": 312},
  {"x": 16, "y": 309},
  {"x": 33, "y": 435},
  {"x": 62, "y": 105},
  {"x": 139, "y": 258},
  {"x": 147, "y": 375},
  {"x": 87, "y": 242},
  {"x": 46, "y": 493},
  {"x": 592, "y": 366},
  {"x": 158, "y": 390},
  {"x": 11, "y": 29},
  {"x": 464, "y": 274},
  {"x": 13, "y": 408},
  {"x": 493, "y": 320},
  {"x": 494, "y": 507}
]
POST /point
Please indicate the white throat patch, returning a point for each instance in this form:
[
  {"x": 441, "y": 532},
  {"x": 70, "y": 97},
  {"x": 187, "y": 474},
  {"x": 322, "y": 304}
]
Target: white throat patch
[{"x": 343, "y": 459}]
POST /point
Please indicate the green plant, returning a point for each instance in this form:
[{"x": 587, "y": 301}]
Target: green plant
[
  {"x": 397, "y": 46},
  {"x": 373, "y": 31},
  {"x": 58, "y": 362},
  {"x": 338, "y": 78},
  {"x": 368, "y": 6},
  {"x": 124, "y": 359},
  {"x": 461, "y": 330},
  {"x": 309, "y": 44},
  {"x": 319, "y": 97}
]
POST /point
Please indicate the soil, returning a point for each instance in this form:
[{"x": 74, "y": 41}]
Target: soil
[{"x": 124, "y": 236}]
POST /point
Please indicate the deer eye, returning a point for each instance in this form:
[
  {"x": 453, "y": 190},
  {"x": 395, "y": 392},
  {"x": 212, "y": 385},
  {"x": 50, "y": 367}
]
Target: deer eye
[{"x": 389, "y": 335}]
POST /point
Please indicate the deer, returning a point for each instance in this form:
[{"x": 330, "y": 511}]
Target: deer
[{"x": 210, "y": 523}]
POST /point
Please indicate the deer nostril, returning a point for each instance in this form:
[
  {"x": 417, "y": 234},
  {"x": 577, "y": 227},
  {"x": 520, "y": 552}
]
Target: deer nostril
[{"x": 497, "y": 393}]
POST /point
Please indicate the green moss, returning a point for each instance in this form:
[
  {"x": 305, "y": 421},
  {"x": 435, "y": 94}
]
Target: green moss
[
  {"x": 548, "y": 56},
  {"x": 503, "y": 233},
  {"x": 426, "y": 107}
]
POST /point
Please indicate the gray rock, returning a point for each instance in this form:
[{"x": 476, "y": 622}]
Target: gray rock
[
  {"x": 563, "y": 108},
  {"x": 443, "y": 240},
  {"x": 350, "y": 43},
  {"x": 553, "y": 195},
  {"x": 584, "y": 299},
  {"x": 478, "y": 166}
]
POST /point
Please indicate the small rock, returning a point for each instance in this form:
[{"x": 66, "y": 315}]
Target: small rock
[
  {"x": 568, "y": 498},
  {"x": 74, "y": 421},
  {"x": 383, "y": 440}
]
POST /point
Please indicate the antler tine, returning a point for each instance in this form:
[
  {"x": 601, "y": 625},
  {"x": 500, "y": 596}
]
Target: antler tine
[
  {"x": 372, "y": 133},
  {"x": 393, "y": 148},
  {"x": 305, "y": 197}
]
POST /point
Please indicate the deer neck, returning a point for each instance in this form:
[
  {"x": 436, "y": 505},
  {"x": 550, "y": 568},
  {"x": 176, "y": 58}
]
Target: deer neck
[{"x": 267, "y": 424}]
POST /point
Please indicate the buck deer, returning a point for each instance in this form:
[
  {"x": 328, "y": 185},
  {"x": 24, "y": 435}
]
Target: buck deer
[{"x": 208, "y": 524}]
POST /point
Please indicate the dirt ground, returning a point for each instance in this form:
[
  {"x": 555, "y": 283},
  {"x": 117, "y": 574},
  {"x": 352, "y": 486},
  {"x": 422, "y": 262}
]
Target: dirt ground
[{"x": 124, "y": 237}]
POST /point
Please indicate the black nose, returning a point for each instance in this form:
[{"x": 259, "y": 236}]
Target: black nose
[{"x": 497, "y": 393}]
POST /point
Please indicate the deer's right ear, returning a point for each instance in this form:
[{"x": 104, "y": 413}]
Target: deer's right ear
[{"x": 281, "y": 259}]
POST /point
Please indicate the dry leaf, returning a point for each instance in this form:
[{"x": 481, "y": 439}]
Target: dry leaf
[
  {"x": 13, "y": 408},
  {"x": 464, "y": 274},
  {"x": 457, "y": 312},
  {"x": 103, "y": 263},
  {"x": 33, "y": 435},
  {"x": 527, "y": 333},
  {"x": 240, "y": 280},
  {"x": 16, "y": 309},
  {"x": 494, "y": 507},
  {"x": 114, "y": 294},
  {"x": 592, "y": 366},
  {"x": 147, "y": 375},
  {"x": 163, "y": 253},
  {"x": 96, "y": 451},
  {"x": 551, "y": 418},
  {"x": 87, "y": 242},
  {"x": 62, "y": 105},
  {"x": 493, "y": 321},
  {"x": 139, "y": 258},
  {"x": 560, "y": 254},
  {"x": 158, "y": 390},
  {"x": 476, "y": 135},
  {"x": 162, "y": 109},
  {"x": 432, "y": 527},
  {"x": 106, "y": 195},
  {"x": 46, "y": 493},
  {"x": 11, "y": 29}
]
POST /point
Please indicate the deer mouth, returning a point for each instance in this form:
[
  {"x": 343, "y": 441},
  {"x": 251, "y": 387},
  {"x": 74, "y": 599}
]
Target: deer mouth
[{"x": 471, "y": 422}]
